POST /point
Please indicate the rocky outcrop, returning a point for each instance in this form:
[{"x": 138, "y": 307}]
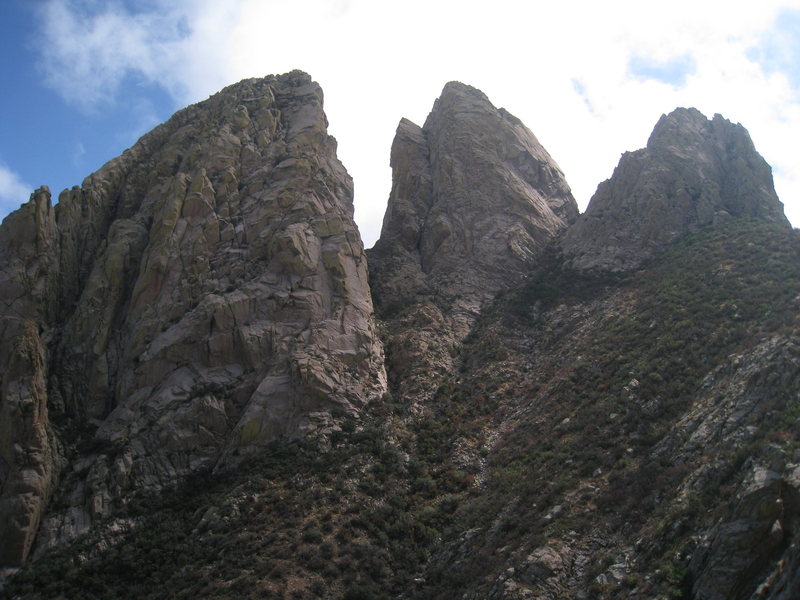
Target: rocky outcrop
[
  {"x": 693, "y": 172},
  {"x": 474, "y": 200},
  {"x": 755, "y": 543},
  {"x": 200, "y": 296},
  {"x": 28, "y": 458}
]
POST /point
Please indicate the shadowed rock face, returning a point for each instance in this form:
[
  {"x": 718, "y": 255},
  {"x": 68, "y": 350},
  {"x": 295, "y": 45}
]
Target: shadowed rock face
[
  {"x": 28, "y": 458},
  {"x": 753, "y": 541},
  {"x": 200, "y": 296},
  {"x": 474, "y": 199},
  {"x": 693, "y": 172}
]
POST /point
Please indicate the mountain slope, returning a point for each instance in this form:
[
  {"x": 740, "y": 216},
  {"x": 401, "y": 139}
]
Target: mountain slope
[
  {"x": 200, "y": 296},
  {"x": 475, "y": 198},
  {"x": 587, "y": 445},
  {"x": 551, "y": 428},
  {"x": 638, "y": 415}
]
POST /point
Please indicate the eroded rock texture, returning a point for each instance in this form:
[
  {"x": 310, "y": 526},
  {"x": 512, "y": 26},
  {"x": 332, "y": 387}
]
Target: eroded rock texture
[
  {"x": 28, "y": 460},
  {"x": 757, "y": 538},
  {"x": 474, "y": 200},
  {"x": 590, "y": 435},
  {"x": 200, "y": 296},
  {"x": 693, "y": 172}
]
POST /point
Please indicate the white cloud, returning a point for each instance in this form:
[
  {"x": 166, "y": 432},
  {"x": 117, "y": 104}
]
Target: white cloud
[
  {"x": 13, "y": 190},
  {"x": 563, "y": 68},
  {"x": 93, "y": 48},
  {"x": 778, "y": 49}
]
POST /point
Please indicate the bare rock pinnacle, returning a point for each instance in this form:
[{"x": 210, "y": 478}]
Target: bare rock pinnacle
[
  {"x": 474, "y": 200},
  {"x": 693, "y": 172}
]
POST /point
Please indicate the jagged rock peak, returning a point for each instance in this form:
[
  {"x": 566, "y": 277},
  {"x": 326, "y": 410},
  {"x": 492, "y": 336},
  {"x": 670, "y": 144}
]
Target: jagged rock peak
[
  {"x": 693, "y": 172},
  {"x": 465, "y": 124},
  {"x": 474, "y": 200},
  {"x": 474, "y": 197},
  {"x": 200, "y": 296}
]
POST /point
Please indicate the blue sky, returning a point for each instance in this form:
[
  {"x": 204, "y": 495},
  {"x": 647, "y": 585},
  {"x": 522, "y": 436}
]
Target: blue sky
[
  {"x": 673, "y": 71},
  {"x": 48, "y": 137},
  {"x": 83, "y": 79}
]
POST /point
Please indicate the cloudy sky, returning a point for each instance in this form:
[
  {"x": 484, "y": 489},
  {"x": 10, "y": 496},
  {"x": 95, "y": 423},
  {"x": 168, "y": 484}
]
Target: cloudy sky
[{"x": 83, "y": 79}]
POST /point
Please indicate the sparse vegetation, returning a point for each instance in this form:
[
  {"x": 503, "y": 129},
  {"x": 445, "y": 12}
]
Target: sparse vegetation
[{"x": 542, "y": 438}]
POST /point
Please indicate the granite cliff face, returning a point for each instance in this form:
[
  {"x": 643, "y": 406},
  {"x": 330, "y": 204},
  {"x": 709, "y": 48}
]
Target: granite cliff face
[
  {"x": 29, "y": 457},
  {"x": 197, "y": 298},
  {"x": 475, "y": 199},
  {"x": 693, "y": 172},
  {"x": 195, "y": 399}
]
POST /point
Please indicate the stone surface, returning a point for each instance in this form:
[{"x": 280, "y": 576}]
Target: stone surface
[
  {"x": 28, "y": 458},
  {"x": 693, "y": 172},
  {"x": 474, "y": 200},
  {"x": 202, "y": 295},
  {"x": 27, "y": 447},
  {"x": 590, "y": 435},
  {"x": 757, "y": 538}
]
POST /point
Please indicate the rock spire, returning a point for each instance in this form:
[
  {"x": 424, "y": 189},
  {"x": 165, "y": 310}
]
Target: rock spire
[
  {"x": 474, "y": 200},
  {"x": 693, "y": 172}
]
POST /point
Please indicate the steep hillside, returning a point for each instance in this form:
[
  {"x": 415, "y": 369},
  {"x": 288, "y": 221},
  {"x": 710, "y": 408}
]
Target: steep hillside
[
  {"x": 643, "y": 440},
  {"x": 553, "y": 426},
  {"x": 602, "y": 437},
  {"x": 200, "y": 296}
]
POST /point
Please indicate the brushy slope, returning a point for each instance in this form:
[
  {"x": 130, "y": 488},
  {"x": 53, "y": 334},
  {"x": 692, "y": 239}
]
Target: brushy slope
[{"x": 557, "y": 461}]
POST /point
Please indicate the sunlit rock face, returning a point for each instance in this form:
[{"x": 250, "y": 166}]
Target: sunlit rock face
[
  {"x": 200, "y": 296},
  {"x": 693, "y": 172}
]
